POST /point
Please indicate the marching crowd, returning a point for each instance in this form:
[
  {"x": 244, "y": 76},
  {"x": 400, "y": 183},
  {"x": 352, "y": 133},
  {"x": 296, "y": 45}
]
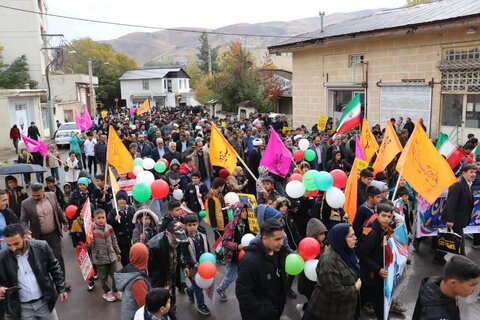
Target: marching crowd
[{"x": 160, "y": 250}]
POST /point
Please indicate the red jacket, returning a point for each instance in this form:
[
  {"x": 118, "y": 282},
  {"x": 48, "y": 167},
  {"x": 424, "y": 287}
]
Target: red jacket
[{"x": 14, "y": 133}]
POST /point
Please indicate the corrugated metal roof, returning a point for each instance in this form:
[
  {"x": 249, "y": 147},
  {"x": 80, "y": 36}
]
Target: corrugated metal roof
[
  {"x": 148, "y": 73},
  {"x": 394, "y": 18}
]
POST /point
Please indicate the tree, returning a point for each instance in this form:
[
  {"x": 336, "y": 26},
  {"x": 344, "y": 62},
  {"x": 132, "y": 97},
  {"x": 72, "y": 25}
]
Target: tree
[
  {"x": 107, "y": 64},
  {"x": 206, "y": 53},
  {"x": 15, "y": 75},
  {"x": 192, "y": 69},
  {"x": 411, "y": 3}
]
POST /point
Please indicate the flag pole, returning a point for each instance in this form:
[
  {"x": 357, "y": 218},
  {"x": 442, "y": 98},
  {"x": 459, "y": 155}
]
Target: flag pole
[
  {"x": 396, "y": 186},
  {"x": 246, "y": 167}
]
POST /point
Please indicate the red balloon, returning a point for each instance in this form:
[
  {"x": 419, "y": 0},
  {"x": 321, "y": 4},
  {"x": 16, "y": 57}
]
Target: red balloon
[
  {"x": 131, "y": 175},
  {"x": 313, "y": 194},
  {"x": 166, "y": 162},
  {"x": 339, "y": 178},
  {"x": 298, "y": 155},
  {"x": 309, "y": 248},
  {"x": 159, "y": 189},
  {"x": 207, "y": 270},
  {"x": 241, "y": 253},
  {"x": 295, "y": 176},
  {"x": 71, "y": 211}
]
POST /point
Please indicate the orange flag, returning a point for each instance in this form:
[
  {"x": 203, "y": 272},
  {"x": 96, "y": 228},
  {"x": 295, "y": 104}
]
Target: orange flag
[
  {"x": 117, "y": 154},
  {"x": 350, "y": 205},
  {"x": 113, "y": 182},
  {"x": 389, "y": 148},
  {"x": 145, "y": 107},
  {"x": 368, "y": 141},
  {"x": 423, "y": 167},
  {"x": 221, "y": 152}
]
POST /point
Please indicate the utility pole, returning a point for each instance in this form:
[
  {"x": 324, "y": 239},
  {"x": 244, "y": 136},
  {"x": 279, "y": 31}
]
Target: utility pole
[
  {"x": 50, "y": 115},
  {"x": 93, "y": 104}
]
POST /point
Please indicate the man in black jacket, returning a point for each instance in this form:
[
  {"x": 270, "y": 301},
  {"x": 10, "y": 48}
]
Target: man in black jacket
[
  {"x": 261, "y": 287},
  {"x": 35, "y": 293},
  {"x": 437, "y": 298}
]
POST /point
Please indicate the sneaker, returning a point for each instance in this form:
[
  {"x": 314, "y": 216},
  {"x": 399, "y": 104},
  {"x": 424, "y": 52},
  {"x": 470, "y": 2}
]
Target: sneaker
[
  {"x": 118, "y": 295},
  {"x": 397, "y": 308},
  {"x": 223, "y": 296},
  {"x": 90, "y": 287},
  {"x": 299, "y": 307},
  {"x": 110, "y": 297},
  {"x": 203, "y": 310},
  {"x": 368, "y": 308},
  {"x": 190, "y": 295}
]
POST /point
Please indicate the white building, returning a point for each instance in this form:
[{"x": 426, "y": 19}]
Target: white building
[{"x": 168, "y": 87}]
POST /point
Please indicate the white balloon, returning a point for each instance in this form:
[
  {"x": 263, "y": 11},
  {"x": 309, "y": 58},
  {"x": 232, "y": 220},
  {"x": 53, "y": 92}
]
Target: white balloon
[
  {"x": 178, "y": 194},
  {"x": 246, "y": 239},
  {"x": 310, "y": 269},
  {"x": 137, "y": 169},
  {"x": 295, "y": 189},
  {"x": 145, "y": 177},
  {"x": 303, "y": 144},
  {"x": 231, "y": 198},
  {"x": 148, "y": 163},
  {"x": 203, "y": 283},
  {"x": 335, "y": 198}
]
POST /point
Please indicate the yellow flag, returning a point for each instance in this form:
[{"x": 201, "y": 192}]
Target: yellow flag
[
  {"x": 350, "y": 205},
  {"x": 145, "y": 107},
  {"x": 389, "y": 148},
  {"x": 117, "y": 154},
  {"x": 221, "y": 152},
  {"x": 423, "y": 167},
  {"x": 368, "y": 141},
  {"x": 322, "y": 123},
  {"x": 113, "y": 182}
]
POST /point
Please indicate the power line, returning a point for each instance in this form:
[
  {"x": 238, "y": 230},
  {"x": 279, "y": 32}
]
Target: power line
[{"x": 151, "y": 27}]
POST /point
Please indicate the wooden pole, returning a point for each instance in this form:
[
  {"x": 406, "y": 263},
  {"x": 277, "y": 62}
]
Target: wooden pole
[{"x": 396, "y": 186}]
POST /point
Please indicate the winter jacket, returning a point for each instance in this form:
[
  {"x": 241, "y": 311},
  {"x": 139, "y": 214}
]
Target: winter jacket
[
  {"x": 433, "y": 304},
  {"x": 173, "y": 177},
  {"x": 101, "y": 152},
  {"x": 59, "y": 194},
  {"x": 104, "y": 246},
  {"x": 261, "y": 284},
  {"x": 233, "y": 185},
  {"x": 124, "y": 227},
  {"x": 73, "y": 171},
  {"x": 124, "y": 281},
  {"x": 291, "y": 230},
  {"x": 190, "y": 196},
  {"x": 14, "y": 133},
  {"x": 15, "y": 198},
  {"x": 185, "y": 175},
  {"x": 216, "y": 216},
  {"x": 229, "y": 244},
  {"x": 51, "y": 162}
]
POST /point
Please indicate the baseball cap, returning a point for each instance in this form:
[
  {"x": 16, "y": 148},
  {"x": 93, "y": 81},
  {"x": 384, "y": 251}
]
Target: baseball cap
[{"x": 177, "y": 229}]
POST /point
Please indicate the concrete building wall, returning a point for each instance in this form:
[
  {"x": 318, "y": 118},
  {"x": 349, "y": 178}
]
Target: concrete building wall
[{"x": 66, "y": 87}]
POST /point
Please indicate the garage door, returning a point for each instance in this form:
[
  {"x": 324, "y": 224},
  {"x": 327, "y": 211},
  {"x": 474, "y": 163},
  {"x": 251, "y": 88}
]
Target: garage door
[{"x": 403, "y": 100}]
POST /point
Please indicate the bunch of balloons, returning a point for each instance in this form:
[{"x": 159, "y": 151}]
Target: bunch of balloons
[
  {"x": 145, "y": 185},
  {"x": 206, "y": 270},
  {"x": 305, "y": 260}
]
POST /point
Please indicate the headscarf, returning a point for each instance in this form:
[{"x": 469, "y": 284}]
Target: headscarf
[{"x": 338, "y": 243}]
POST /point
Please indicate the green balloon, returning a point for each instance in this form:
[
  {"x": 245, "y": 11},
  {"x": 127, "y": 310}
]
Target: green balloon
[
  {"x": 160, "y": 167},
  {"x": 294, "y": 264},
  {"x": 309, "y": 180},
  {"x": 202, "y": 214},
  {"x": 230, "y": 214},
  {"x": 207, "y": 256},
  {"x": 309, "y": 155},
  {"x": 323, "y": 180},
  {"x": 141, "y": 192},
  {"x": 137, "y": 162}
]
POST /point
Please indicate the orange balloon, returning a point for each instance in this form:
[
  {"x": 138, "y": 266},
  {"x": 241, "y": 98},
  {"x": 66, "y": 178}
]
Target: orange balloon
[{"x": 207, "y": 270}]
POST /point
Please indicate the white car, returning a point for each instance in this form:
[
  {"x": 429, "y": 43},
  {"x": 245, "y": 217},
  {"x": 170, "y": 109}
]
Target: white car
[{"x": 62, "y": 135}]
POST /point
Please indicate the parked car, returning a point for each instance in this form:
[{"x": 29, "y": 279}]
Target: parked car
[{"x": 63, "y": 133}]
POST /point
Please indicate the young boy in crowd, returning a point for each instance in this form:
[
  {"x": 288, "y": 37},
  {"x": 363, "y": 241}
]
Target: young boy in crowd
[
  {"x": 52, "y": 187},
  {"x": 16, "y": 194},
  {"x": 67, "y": 193},
  {"x": 77, "y": 233},
  {"x": 157, "y": 306},
  {"x": 402, "y": 206},
  {"x": 72, "y": 170},
  {"x": 197, "y": 245},
  {"x": 174, "y": 214},
  {"x": 195, "y": 192},
  {"x": 105, "y": 254},
  {"x": 103, "y": 194},
  {"x": 437, "y": 298},
  {"x": 268, "y": 191},
  {"x": 366, "y": 210}
]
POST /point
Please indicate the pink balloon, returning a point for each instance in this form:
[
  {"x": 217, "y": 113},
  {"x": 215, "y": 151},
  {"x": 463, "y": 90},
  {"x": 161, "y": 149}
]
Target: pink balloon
[{"x": 295, "y": 176}]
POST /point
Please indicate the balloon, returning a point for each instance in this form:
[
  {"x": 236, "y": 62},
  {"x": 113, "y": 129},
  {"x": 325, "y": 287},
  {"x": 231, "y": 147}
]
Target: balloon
[
  {"x": 231, "y": 198},
  {"x": 303, "y": 144},
  {"x": 160, "y": 189},
  {"x": 298, "y": 155},
  {"x": 339, "y": 178},
  {"x": 294, "y": 264},
  {"x": 309, "y": 155},
  {"x": 141, "y": 192},
  {"x": 323, "y": 180},
  {"x": 230, "y": 214},
  {"x": 335, "y": 198},
  {"x": 160, "y": 167},
  {"x": 177, "y": 194},
  {"x": 70, "y": 211},
  {"x": 295, "y": 189},
  {"x": 309, "y": 180},
  {"x": 207, "y": 256},
  {"x": 148, "y": 163},
  {"x": 241, "y": 253},
  {"x": 132, "y": 175},
  {"x": 145, "y": 177},
  {"x": 137, "y": 161},
  {"x": 246, "y": 239},
  {"x": 203, "y": 283},
  {"x": 207, "y": 270},
  {"x": 164, "y": 161},
  {"x": 310, "y": 270},
  {"x": 137, "y": 169},
  {"x": 202, "y": 214},
  {"x": 295, "y": 176},
  {"x": 313, "y": 194},
  {"x": 309, "y": 248}
]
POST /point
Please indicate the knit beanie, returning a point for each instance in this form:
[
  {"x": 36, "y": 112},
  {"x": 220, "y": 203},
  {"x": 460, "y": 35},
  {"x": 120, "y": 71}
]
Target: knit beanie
[
  {"x": 84, "y": 181},
  {"x": 315, "y": 227},
  {"x": 139, "y": 256}
]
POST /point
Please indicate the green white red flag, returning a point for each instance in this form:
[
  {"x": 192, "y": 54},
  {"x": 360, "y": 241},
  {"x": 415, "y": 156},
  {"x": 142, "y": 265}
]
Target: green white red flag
[{"x": 351, "y": 116}]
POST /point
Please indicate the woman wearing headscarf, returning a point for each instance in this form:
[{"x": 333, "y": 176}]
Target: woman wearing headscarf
[{"x": 338, "y": 285}]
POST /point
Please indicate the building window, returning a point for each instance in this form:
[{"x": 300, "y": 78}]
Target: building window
[
  {"x": 169, "y": 86},
  {"x": 355, "y": 59},
  {"x": 462, "y": 54},
  {"x": 145, "y": 85},
  {"x": 466, "y": 81},
  {"x": 452, "y": 109},
  {"x": 180, "y": 84}
]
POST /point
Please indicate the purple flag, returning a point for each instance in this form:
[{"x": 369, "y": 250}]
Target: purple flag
[
  {"x": 359, "y": 153},
  {"x": 35, "y": 146},
  {"x": 86, "y": 119},
  {"x": 78, "y": 121},
  {"x": 276, "y": 157}
]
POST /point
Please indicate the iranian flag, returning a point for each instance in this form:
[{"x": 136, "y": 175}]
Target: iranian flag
[
  {"x": 452, "y": 153},
  {"x": 473, "y": 155},
  {"x": 351, "y": 115}
]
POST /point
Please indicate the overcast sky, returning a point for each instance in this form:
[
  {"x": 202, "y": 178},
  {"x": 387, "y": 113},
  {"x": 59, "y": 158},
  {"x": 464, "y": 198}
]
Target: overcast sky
[{"x": 189, "y": 13}]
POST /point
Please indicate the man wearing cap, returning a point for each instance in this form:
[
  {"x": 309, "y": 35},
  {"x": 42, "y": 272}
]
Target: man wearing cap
[
  {"x": 166, "y": 258},
  {"x": 458, "y": 207}
]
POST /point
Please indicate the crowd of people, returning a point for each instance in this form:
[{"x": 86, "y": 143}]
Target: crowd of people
[{"x": 160, "y": 249}]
